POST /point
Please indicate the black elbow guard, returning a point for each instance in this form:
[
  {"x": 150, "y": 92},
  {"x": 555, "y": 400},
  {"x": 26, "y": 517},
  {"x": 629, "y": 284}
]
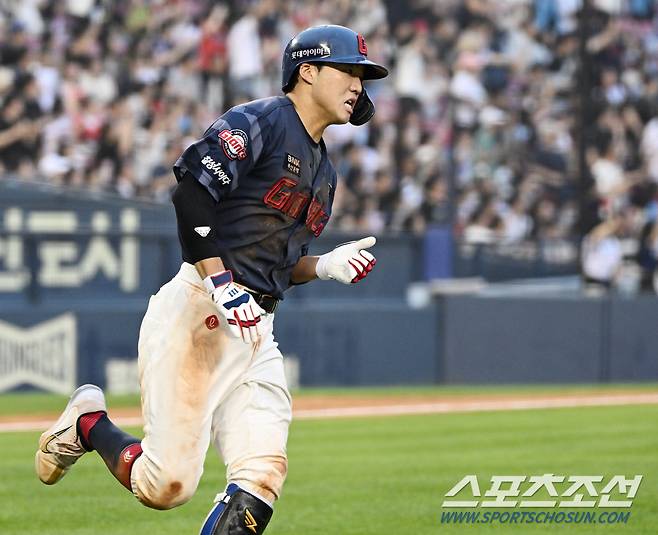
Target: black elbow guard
[{"x": 195, "y": 215}]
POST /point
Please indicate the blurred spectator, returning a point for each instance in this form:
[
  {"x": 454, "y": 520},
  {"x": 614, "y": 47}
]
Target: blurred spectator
[
  {"x": 650, "y": 148},
  {"x": 603, "y": 255},
  {"x": 607, "y": 172},
  {"x": 245, "y": 58},
  {"x": 213, "y": 59},
  {"x": 648, "y": 256}
]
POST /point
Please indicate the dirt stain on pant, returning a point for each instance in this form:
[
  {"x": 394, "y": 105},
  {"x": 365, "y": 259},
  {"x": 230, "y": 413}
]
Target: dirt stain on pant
[
  {"x": 202, "y": 352},
  {"x": 263, "y": 475}
]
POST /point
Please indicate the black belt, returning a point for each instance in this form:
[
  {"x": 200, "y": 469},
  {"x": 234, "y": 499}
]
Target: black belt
[{"x": 267, "y": 302}]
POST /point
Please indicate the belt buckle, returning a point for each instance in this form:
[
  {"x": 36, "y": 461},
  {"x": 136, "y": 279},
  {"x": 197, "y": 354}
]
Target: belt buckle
[
  {"x": 268, "y": 303},
  {"x": 261, "y": 299}
]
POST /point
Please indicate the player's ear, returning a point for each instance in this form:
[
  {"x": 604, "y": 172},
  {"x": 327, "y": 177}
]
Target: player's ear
[{"x": 307, "y": 73}]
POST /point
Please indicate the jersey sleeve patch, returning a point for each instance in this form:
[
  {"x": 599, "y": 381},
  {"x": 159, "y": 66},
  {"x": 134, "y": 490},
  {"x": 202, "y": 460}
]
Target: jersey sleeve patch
[
  {"x": 234, "y": 143},
  {"x": 228, "y": 151}
]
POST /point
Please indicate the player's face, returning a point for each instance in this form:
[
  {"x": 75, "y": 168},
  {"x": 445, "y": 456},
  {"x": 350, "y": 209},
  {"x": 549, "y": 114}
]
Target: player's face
[{"x": 336, "y": 91}]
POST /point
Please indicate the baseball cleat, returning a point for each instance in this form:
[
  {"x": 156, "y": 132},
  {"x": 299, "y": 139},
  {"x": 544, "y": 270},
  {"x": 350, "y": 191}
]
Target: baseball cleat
[{"x": 60, "y": 446}]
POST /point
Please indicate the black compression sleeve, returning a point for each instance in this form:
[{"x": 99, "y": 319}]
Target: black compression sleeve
[{"x": 195, "y": 214}]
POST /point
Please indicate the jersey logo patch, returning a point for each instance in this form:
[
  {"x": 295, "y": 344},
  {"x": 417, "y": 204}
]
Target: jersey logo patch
[
  {"x": 292, "y": 164},
  {"x": 202, "y": 231},
  {"x": 212, "y": 322},
  {"x": 234, "y": 143}
]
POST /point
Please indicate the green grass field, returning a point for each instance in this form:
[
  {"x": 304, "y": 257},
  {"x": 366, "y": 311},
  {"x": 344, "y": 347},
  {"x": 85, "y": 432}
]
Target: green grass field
[{"x": 365, "y": 476}]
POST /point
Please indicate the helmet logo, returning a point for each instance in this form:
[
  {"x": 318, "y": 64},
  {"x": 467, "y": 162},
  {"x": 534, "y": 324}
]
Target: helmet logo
[
  {"x": 322, "y": 50},
  {"x": 363, "y": 48},
  {"x": 234, "y": 143}
]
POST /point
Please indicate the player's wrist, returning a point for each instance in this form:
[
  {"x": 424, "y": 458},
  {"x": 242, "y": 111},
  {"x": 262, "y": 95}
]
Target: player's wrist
[
  {"x": 321, "y": 268},
  {"x": 218, "y": 280}
]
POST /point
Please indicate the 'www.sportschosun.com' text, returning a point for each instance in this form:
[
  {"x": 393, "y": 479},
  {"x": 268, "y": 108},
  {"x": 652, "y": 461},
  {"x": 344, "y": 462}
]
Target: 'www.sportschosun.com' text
[{"x": 535, "y": 517}]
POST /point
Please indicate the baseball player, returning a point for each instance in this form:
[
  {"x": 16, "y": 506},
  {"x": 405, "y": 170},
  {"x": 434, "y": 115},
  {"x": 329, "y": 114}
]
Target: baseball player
[{"x": 251, "y": 195}]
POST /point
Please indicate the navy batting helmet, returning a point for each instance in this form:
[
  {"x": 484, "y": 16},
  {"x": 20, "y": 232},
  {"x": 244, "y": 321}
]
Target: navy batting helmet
[{"x": 332, "y": 44}]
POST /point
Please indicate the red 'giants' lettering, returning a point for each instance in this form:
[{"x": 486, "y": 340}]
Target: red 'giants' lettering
[
  {"x": 279, "y": 193},
  {"x": 316, "y": 218},
  {"x": 292, "y": 203}
]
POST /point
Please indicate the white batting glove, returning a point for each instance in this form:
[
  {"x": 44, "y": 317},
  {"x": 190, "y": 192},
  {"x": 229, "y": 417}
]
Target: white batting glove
[
  {"x": 241, "y": 314},
  {"x": 347, "y": 263}
]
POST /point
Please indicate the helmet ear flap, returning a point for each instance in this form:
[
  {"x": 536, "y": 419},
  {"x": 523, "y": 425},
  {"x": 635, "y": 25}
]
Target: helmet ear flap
[{"x": 364, "y": 109}]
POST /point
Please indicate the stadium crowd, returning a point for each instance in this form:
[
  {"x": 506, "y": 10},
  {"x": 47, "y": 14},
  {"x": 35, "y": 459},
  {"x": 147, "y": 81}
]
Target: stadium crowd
[{"x": 478, "y": 124}]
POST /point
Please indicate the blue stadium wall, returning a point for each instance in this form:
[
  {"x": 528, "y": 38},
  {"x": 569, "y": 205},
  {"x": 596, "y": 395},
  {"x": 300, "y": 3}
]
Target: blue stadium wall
[
  {"x": 94, "y": 263},
  {"x": 76, "y": 272}
]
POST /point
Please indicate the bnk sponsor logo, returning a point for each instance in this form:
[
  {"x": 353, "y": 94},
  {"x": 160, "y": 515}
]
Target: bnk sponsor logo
[{"x": 216, "y": 169}]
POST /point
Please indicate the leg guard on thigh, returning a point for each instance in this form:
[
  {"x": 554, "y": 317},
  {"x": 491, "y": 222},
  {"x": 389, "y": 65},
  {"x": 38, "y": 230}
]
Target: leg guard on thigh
[{"x": 237, "y": 512}]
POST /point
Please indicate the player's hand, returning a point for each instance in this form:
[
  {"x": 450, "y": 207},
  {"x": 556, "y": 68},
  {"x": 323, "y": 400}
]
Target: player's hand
[
  {"x": 241, "y": 314},
  {"x": 347, "y": 263}
]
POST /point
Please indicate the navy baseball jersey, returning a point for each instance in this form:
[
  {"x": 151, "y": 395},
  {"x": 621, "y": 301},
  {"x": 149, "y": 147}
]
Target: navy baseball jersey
[{"x": 273, "y": 187}]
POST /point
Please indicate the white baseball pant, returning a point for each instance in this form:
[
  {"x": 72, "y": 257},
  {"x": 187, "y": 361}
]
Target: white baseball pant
[{"x": 198, "y": 385}]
